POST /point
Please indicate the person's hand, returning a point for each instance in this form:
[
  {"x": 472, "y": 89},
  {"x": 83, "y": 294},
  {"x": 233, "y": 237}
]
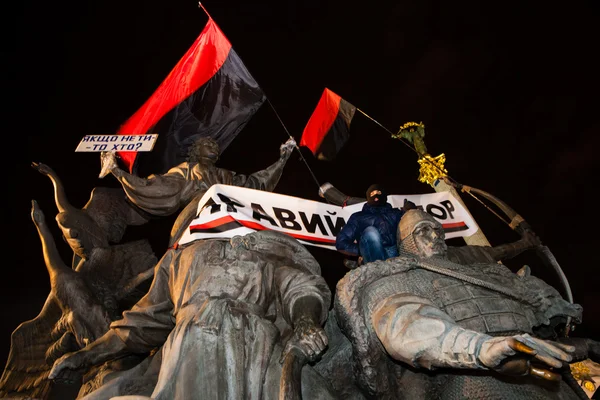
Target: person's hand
[
  {"x": 286, "y": 149},
  {"x": 108, "y": 160},
  {"x": 310, "y": 339},
  {"x": 512, "y": 355},
  {"x": 66, "y": 368}
]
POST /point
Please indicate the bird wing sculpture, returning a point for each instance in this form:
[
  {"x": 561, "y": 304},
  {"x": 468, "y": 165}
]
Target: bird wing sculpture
[
  {"x": 27, "y": 369},
  {"x": 103, "y": 219},
  {"x": 105, "y": 279},
  {"x": 71, "y": 317}
]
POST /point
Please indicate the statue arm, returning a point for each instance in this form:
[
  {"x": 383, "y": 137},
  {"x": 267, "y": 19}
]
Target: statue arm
[
  {"x": 159, "y": 195},
  {"x": 335, "y": 196},
  {"x": 303, "y": 295},
  {"x": 306, "y": 298},
  {"x": 485, "y": 254},
  {"x": 415, "y": 331},
  {"x": 133, "y": 180},
  {"x": 107, "y": 347},
  {"x": 510, "y": 250},
  {"x": 267, "y": 178}
]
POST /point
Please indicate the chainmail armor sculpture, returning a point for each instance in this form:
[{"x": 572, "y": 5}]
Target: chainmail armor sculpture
[{"x": 422, "y": 326}]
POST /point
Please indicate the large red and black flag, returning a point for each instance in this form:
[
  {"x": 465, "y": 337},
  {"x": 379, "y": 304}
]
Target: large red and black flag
[
  {"x": 209, "y": 93},
  {"x": 328, "y": 128}
]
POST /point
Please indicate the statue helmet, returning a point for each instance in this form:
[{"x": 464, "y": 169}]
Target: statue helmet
[{"x": 408, "y": 223}]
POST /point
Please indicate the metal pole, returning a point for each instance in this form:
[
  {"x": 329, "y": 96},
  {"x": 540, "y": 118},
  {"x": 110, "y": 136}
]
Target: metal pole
[{"x": 432, "y": 172}]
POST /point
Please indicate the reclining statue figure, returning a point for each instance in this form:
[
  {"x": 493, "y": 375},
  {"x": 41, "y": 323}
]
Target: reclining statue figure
[{"x": 424, "y": 327}]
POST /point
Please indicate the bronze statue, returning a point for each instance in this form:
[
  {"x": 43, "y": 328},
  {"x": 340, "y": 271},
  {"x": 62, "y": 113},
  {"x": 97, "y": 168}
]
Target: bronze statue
[
  {"x": 423, "y": 326},
  {"x": 79, "y": 308},
  {"x": 220, "y": 312},
  {"x": 104, "y": 279},
  {"x": 184, "y": 185}
]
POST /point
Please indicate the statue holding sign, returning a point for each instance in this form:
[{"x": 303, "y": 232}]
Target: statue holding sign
[{"x": 183, "y": 186}]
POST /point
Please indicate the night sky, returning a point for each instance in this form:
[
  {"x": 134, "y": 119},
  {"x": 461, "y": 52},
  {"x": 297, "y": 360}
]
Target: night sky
[{"x": 507, "y": 91}]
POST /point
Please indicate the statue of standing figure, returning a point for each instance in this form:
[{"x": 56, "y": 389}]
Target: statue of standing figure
[
  {"x": 182, "y": 187},
  {"x": 216, "y": 308}
]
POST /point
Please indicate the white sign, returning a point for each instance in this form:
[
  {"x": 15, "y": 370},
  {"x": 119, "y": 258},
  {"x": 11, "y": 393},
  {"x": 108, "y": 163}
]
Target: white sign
[
  {"x": 226, "y": 211},
  {"x": 92, "y": 143}
]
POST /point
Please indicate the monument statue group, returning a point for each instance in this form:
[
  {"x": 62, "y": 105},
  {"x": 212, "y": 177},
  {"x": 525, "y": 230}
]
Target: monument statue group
[{"x": 251, "y": 316}]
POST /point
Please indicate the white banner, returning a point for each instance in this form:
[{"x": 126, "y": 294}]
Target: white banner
[
  {"x": 226, "y": 211},
  {"x": 95, "y": 143}
]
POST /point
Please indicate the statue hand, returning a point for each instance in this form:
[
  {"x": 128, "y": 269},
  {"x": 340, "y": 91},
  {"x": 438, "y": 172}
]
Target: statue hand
[
  {"x": 108, "y": 160},
  {"x": 286, "y": 149},
  {"x": 65, "y": 368},
  {"x": 309, "y": 338},
  {"x": 513, "y": 355}
]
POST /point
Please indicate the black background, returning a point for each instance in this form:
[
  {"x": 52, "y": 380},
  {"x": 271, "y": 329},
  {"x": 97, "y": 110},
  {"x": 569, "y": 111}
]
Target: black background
[{"x": 508, "y": 91}]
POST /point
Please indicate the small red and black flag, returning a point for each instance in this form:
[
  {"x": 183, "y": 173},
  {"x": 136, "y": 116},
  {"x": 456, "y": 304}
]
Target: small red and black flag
[
  {"x": 328, "y": 128},
  {"x": 209, "y": 93}
]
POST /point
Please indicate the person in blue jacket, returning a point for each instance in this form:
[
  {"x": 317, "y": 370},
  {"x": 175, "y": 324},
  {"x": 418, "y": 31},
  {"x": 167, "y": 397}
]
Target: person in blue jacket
[{"x": 371, "y": 232}]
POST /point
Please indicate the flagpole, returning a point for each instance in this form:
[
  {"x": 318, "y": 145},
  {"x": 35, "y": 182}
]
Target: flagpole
[
  {"x": 204, "y": 9},
  {"x": 432, "y": 170},
  {"x": 295, "y": 145},
  {"x": 278, "y": 117},
  {"x": 386, "y": 129}
]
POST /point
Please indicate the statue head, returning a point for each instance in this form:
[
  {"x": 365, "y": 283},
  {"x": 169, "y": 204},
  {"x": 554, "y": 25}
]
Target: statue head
[
  {"x": 204, "y": 149},
  {"x": 376, "y": 195},
  {"x": 420, "y": 234}
]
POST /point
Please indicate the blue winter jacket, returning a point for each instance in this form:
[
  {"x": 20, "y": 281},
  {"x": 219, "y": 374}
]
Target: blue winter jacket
[{"x": 384, "y": 218}]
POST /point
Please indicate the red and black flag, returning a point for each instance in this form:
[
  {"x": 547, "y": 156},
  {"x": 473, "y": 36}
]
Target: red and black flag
[
  {"x": 209, "y": 93},
  {"x": 328, "y": 128}
]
